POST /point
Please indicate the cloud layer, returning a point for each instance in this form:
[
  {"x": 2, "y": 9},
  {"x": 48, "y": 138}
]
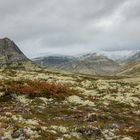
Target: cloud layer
[{"x": 71, "y": 26}]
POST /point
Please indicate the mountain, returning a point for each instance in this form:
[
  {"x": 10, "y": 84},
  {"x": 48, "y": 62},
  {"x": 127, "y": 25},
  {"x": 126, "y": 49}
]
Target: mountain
[
  {"x": 12, "y": 57},
  {"x": 131, "y": 65},
  {"x": 132, "y": 57},
  {"x": 132, "y": 69},
  {"x": 53, "y": 61},
  {"x": 91, "y": 64},
  {"x": 85, "y": 64}
]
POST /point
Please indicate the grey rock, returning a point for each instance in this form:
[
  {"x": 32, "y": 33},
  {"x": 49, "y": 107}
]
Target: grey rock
[
  {"x": 113, "y": 126},
  {"x": 90, "y": 131},
  {"x": 92, "y": 117},
  {"x": 18, "y": 133}
]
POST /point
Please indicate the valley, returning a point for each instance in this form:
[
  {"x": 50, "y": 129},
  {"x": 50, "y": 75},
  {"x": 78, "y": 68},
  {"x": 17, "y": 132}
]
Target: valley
[
  {"x": 37, "y": 103},
  {"x": 70, "y": 70}
]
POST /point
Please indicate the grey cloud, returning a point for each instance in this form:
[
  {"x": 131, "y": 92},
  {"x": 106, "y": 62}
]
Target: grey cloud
[{"x": 65, "y": 26}]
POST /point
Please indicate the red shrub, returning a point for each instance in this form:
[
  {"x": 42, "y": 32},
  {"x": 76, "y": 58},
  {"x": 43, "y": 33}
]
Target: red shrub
[{"x": 37, "y": 88}]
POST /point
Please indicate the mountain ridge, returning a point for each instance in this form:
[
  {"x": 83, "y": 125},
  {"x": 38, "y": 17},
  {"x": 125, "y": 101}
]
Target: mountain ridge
[
  {"x": 90, "y": 63},
  {"x": 131, "y": 65}
]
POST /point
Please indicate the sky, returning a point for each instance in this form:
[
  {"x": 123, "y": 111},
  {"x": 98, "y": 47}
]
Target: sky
[{"x": 71, "y": 27}]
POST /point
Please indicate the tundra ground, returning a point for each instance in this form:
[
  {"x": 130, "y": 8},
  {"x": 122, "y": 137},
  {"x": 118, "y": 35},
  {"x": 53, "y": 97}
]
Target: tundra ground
[{"x": 54, "y": 106}]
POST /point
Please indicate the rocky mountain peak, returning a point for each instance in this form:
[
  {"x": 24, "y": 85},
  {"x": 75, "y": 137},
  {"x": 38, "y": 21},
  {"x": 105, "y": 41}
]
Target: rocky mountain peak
[
  {"x": 11, "y": 56},
  {"x": 6, "y": 42}
]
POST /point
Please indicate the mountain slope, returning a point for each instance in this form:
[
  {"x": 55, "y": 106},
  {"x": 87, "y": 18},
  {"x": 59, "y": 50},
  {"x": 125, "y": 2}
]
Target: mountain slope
[
  {"x": 91, "y": 64},
  {"x": 132, "y": 69},
  {"x": 131, "y": 65},
  {"x": 53, "y": 61},
  {"x": 12, "y": 57},
  {"x": 133, "y": 57}
]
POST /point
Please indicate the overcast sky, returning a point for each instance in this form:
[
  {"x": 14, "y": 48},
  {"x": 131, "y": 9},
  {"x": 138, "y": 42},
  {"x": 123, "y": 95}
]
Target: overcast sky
[{"x": 71, "y": 26}]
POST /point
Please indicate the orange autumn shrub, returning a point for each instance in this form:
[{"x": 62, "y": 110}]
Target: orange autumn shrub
[{"x": 37, "y": 89}]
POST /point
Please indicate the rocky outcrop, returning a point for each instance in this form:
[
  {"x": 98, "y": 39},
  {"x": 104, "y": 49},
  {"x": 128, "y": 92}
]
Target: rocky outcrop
[{"x": 12, "y": 57}]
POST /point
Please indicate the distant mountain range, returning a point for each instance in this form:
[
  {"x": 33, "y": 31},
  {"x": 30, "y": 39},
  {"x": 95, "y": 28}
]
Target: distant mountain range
[
  {"x": 12, "y": 57},
  {"x": 91, "y": 63}
]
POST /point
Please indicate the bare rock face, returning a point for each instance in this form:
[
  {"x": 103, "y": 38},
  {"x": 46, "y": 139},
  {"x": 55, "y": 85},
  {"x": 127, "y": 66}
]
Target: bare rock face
[{"x": 12, "y": 57}]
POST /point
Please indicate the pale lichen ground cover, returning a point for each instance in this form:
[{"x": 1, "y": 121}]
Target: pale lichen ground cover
[{"x": 103, "y": 108}]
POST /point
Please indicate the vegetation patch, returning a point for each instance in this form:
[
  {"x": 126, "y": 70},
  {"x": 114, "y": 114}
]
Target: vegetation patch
[{"x": 36, "y": 89}]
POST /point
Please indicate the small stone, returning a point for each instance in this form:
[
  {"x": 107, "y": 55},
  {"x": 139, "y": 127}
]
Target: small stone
[
  {"x": 91, "y": 117},
  {"x": 113, "y": 126},
  {"x": 18, "y": 133},
  {"x": 90, "y": 131}
]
